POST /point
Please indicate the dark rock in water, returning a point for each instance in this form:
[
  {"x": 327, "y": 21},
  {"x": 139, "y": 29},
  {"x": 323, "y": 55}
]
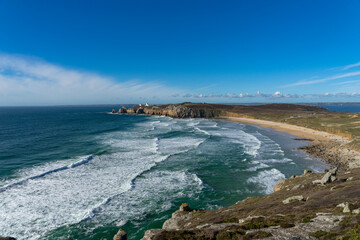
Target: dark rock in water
[
  {"x": 7, "y": 238},
  {"x": 120, "y": 235},
  {"x": 113, "y": 111},
  {"x": 140, "y": 111},
  {"x": 123, "y": 110},
  {"x": 131, "y": 110}
]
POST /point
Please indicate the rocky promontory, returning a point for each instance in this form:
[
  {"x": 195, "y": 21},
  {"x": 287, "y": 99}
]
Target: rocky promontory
[
  {"x": 183, "y": 110},
  {"x": 310, "y": 206},
  {"x": 205, "y": 110}
]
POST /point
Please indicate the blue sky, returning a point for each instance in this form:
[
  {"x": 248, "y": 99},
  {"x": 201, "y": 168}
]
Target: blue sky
[{"x": 88, "y": 52}]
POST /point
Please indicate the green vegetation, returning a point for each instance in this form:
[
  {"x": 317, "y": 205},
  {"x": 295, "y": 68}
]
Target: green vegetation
[
  {"x": 262, "y": 222},
  {"x": 231, "y": 220},
  {"x": 230, "y": 235},
  {"x": 257, "y": 235},
  {"x": 306, "y": 219}
]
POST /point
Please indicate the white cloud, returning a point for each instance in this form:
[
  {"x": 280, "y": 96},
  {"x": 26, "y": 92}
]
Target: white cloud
[
  {"x": 277, "y": 94},
  {"x": 30, "y": 81},
  {"x": 340, "y": 94},
  {"x": 351, "y": 66},
  {"x": 347, "y": 82},
  {"x": 351, "y": 74},
  {"x": 240, "y": 95}
]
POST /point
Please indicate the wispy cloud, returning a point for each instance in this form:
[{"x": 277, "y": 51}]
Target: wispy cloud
[
  {"x": 347, "y": 82},
  {"x": 340, "y": 94},
  {"x": 275, "y": 95},
  {"x": 351, "y": 66},
  {"x": 31, "y": 81},
  {"x": 340, "y": 76}
]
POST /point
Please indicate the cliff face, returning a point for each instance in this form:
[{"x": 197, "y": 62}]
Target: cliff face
[{"x": 184, "y": 110}]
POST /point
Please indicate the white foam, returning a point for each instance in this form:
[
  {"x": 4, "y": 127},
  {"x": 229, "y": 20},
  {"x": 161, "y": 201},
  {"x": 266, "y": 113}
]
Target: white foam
[
  {"x": 46, "y": 170},
  {"x": 193, "y": 123},
  {"x": 267, "y": 179},
  {"x": 79, "y": 189},
  {"x": 202, "y": 131},
  {"x": 65, "y": 197},
  {"x": 153, "y": 193},
  {"x": 178, "y": 144},
  {"x": 281, "y": 160},
  {"x": 257, "y": 165},
  {"x": 251, "y": 143}
]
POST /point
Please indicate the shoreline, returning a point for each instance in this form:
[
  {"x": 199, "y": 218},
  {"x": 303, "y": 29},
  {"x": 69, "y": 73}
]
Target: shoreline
[
  {"x": 302, "y": 132},
  {"x": 328, "y": 147}
]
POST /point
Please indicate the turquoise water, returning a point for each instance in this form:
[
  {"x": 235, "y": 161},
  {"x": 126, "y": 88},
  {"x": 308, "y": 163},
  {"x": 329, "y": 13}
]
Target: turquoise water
[{"x": 82, "y": 172}]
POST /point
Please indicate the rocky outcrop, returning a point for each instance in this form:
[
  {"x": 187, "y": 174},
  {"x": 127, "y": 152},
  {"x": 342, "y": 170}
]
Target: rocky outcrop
[
  {"x": 184, "y": 110},
  {"x": 299, "y": 210},
  {"x": 7, "y": 238},
  {"x": 182, "y": 215},
  {"x": 123, "y": 110},
  {"x": 140, "y": 111},
  {"x": 334, "y": 153},
  {"x": 329, "y": 177},
  {"x": 120, "y": 235},
  {"x": 185, "y": 208},
  {"x": 279, "y": 185},
  {"x": 152, "y": 234},
  {"x": 293, "y": 199}
]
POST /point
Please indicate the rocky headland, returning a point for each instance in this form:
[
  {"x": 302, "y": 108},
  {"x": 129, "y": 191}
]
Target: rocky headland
[
  {"x": 310, "y": 206},
  {"x": 184, "y": 110}
]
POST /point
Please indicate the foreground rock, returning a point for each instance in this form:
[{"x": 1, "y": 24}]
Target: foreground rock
[
  {"x": 329, "y": 177},
  {"x": 120, "y": 235},
  {"x": 298, "y": 209},
  {"x": 7, "y": 238},
  {"x": 293, "y": 199}
]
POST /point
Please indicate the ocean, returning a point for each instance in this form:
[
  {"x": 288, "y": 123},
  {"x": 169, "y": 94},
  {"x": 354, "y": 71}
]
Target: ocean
[
  {"x": 343, "y": 107},
  {"x": 82, "y": 172}
]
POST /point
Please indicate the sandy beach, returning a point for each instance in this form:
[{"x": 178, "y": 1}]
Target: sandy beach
[
  {"x": 298, "y": 131},
  {"x": 329, "y": 147}
]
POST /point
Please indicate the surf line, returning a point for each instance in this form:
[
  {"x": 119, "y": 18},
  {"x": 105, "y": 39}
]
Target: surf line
[{"x": 73, "y": 165}]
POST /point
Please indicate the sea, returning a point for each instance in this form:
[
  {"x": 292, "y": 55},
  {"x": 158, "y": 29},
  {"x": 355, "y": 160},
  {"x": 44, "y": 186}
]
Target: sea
[
  {"x": 351, "y": 108},
  {"x": 81, "y": 172}
]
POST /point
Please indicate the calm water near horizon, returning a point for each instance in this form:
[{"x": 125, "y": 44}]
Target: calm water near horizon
[
  {"x": 82, "y": 172},
  {"x": 342, "y": 108}
]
